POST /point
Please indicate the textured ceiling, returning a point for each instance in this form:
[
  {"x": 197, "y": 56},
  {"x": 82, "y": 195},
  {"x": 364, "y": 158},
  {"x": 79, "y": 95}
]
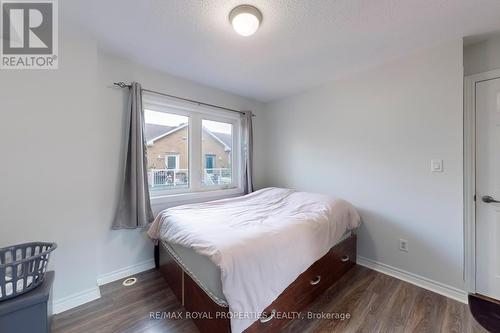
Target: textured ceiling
[{"x": 300, "y": 44}]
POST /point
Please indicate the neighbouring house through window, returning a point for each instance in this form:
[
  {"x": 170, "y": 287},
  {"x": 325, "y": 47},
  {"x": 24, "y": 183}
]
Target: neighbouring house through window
[
  {"x": 216, "y": 146},
  {"x": 167, "y": 133}
]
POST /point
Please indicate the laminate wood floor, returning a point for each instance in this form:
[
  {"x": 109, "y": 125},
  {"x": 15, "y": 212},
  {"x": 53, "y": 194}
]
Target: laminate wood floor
[{"x": 375, "y": 302}]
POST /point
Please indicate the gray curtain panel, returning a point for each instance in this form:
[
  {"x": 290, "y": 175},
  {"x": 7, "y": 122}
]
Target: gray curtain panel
[
  {"x": 248, "y": 152},
  {"x": 134, "y": 208}
]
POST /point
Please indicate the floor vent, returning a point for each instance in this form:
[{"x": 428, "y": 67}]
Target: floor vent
[{"x": 129, "y": 282}]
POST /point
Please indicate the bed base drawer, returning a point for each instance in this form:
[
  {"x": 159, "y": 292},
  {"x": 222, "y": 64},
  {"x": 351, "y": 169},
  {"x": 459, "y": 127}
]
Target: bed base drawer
[
  {"x": 309, "y": 285},
  {"x": 304, "y": 290}
]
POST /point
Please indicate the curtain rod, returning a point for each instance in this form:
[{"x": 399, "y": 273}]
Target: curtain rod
[{"x": 124, "y": 85}]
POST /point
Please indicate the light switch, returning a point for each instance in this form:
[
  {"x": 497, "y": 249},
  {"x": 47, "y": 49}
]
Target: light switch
[{"x": 437, "y": 165}]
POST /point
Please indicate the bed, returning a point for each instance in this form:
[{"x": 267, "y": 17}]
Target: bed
[{"x": 251, "y": 263}]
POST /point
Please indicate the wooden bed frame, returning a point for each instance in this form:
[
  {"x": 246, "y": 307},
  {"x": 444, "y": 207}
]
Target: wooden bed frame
[{"x": 309, "y": 285}]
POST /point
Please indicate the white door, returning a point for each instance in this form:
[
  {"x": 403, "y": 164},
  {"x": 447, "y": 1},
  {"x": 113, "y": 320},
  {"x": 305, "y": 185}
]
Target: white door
[{"x": 488, "y": 188}]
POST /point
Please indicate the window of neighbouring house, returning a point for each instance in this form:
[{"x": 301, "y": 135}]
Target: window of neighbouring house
[
  {"x": 190, "y": 148},
  {"x": 172, "y": 161},
  {"x": 209, "y": 161}
]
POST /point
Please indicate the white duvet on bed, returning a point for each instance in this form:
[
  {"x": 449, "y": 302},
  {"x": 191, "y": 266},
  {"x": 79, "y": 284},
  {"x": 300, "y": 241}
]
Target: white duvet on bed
[{"x": 261, "y": 242}]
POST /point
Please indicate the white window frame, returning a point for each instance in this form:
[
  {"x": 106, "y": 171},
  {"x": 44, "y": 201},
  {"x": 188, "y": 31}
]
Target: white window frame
[{"x": 196, "y": 113}]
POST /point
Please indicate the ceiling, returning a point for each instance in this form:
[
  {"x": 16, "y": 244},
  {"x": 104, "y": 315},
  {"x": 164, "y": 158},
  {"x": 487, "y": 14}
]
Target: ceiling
[{"x": 301, "y": 43}]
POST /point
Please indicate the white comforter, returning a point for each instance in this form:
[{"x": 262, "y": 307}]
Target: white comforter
[{"x": 261, "y": 242}]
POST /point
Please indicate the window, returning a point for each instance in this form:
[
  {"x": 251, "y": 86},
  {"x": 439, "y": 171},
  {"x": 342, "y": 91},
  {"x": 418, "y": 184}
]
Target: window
[
  {"x": 209, "y": 162},
  {"x": 216, "y": 146},
  {"x": 172, "y": 161},
  {"x": 168, "y": 146},
  {"x": 190, "y": 148}
]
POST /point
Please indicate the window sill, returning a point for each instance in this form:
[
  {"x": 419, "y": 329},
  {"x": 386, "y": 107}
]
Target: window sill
[{"x": 171, "y": 200}]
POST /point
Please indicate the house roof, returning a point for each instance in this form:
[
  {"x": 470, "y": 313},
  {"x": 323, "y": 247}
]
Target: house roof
[
  {"x": 154, "y": 132},
  {"x": 226, "y": 138}
]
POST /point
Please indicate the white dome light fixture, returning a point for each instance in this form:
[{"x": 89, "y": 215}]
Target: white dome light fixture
[{"x": 245, "y": 19}]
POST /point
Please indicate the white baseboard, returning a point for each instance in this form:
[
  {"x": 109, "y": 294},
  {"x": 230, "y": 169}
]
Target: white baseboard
[
  {"x": 420, "y": 281},
  {"x": 74, "y": 300},
  {"x": 71, "y": 301},
  {"x": 126, "y": 271}
]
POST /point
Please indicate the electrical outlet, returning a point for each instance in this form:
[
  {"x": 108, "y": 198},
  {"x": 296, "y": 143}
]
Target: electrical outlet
[{"x": 403, "y": 245}]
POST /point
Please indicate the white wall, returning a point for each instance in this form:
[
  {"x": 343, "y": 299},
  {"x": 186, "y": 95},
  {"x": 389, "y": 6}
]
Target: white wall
[
  {"x": 47, "y": 121},
  {"x": 369, "y": 139},
  {"x": 483, "y": 56},
  {"x": 74, "y": 115}
]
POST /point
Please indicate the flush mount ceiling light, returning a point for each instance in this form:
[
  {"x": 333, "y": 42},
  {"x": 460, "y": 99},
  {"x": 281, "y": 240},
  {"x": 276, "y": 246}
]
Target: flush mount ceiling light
[{"x": 245, "y": 19}]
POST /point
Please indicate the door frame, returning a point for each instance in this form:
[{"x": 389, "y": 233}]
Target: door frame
[{"x": 470, "y": 83}]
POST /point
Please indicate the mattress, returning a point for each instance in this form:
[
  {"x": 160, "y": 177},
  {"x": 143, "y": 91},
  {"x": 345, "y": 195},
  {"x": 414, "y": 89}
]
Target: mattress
[
  {"x": 203, "y": 271},
  {"x": 252, "y": 239}
]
